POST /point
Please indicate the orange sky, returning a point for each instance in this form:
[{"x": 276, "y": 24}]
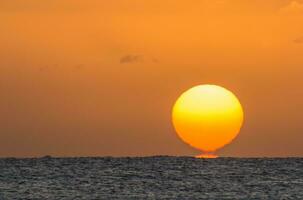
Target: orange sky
[{"x": 96, "y": 78}]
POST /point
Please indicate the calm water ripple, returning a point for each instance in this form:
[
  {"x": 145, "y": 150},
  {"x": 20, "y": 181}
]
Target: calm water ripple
[{"x": 151, "y": 178}]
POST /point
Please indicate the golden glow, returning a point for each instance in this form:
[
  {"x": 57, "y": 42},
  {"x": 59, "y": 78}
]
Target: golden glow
[
  {"x": 207, "y": 117},
  {"x": 206, "y": 156}
]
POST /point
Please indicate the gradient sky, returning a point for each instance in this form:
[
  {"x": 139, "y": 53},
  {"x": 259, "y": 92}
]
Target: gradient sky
[{"x": 99, "y": 78}]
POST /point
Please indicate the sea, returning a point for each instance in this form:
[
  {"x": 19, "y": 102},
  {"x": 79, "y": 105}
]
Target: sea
[{"x": 159, "y": 177}]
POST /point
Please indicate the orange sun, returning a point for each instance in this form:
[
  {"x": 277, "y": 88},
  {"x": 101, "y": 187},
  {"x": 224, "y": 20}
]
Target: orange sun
[{"x": 207, "y": 117}]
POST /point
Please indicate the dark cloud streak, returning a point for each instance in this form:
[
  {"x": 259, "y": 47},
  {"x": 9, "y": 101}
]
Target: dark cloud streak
[
  {"x": 299, "y": 40},
  {"x": 131, "y": 59}
]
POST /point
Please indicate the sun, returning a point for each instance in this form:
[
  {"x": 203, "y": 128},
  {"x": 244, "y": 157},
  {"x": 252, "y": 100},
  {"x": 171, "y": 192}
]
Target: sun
[{"x": 207, "y": 117}]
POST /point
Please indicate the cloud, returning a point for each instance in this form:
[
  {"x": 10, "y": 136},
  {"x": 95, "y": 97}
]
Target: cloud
[
  {"x": 131, "y": 59},
  {"x": 155, "y": 60},
  {"x": 294, "y": 7},
  {"x": 47, "y": 67},
  {"x": 299, "y": 40},
  {"x": 79, "y": 66}
]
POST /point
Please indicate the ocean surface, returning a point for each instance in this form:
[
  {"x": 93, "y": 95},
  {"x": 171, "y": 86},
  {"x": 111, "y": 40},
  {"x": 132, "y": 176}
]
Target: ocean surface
[{"x": 151, "y": 178}]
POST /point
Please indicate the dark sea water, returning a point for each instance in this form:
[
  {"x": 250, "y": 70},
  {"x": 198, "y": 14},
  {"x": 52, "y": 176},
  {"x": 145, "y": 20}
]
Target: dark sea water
[{"x": 151, "y": 178}]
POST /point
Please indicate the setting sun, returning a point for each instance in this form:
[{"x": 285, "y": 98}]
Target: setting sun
[{"x": 207, "y": 117}]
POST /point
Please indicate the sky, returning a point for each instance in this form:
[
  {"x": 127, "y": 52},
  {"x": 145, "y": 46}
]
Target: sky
[{"x": 99, "y": 78}]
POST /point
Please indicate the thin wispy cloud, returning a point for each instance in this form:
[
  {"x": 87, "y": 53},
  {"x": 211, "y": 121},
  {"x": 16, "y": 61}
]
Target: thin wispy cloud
[{"x": 294, "y": 7}]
